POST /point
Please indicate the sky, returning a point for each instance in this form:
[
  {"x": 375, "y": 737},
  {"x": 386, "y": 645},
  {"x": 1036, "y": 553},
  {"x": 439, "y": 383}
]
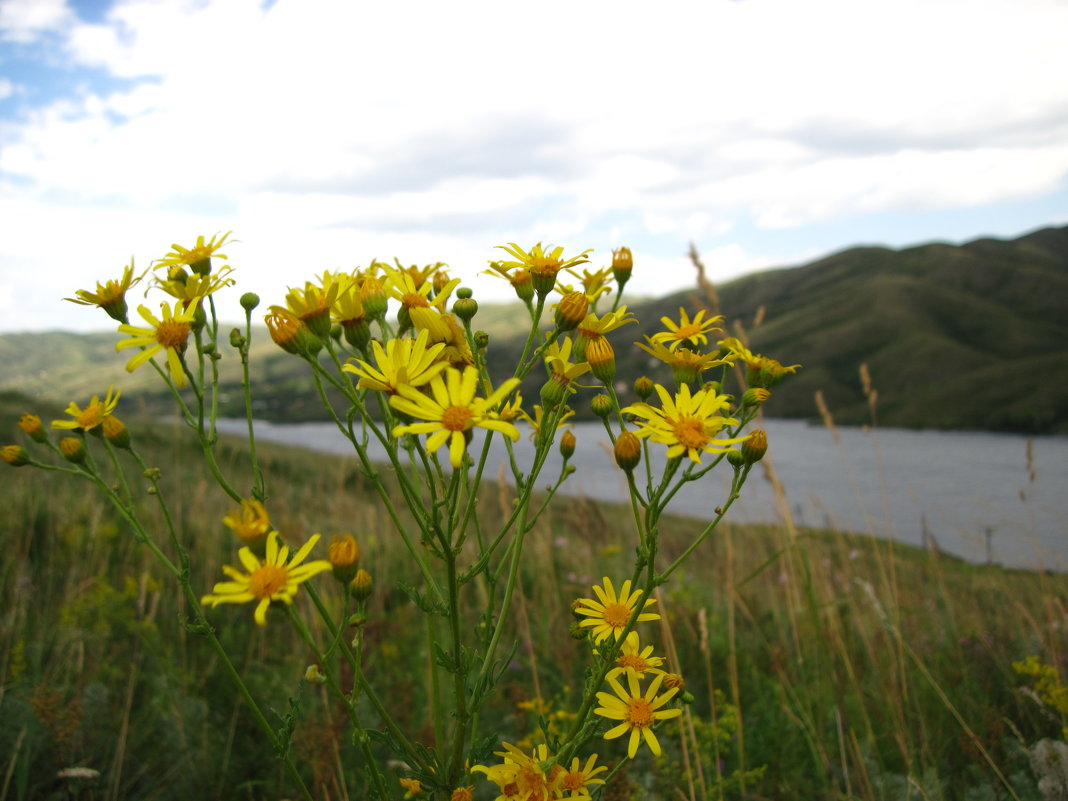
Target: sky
[{"x": 326, "y": 133}]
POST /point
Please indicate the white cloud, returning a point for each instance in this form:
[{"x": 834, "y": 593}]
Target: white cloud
[{"x": 324, "y": 130}]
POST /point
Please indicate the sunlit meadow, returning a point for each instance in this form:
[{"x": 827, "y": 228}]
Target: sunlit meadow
[{"x": 188, "y": 616}]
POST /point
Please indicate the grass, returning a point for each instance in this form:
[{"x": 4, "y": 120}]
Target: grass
[{"x": 821, "y": 664}]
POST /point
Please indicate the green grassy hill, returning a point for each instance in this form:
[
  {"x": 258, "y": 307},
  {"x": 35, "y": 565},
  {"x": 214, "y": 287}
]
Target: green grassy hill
[{"x": 969, "y": 336}]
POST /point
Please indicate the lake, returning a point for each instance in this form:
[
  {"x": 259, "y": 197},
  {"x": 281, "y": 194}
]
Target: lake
[{"x": 972, "y": 494}]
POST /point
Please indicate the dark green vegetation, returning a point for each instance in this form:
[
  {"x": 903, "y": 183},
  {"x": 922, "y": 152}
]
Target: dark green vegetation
[
  {"x": 822, "y": 665},
  {"x": 968, "y": 337}
]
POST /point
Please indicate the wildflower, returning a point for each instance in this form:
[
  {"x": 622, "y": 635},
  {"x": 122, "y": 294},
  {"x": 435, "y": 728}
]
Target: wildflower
[
  {"x": 755, "y": 446},
  {"x": 73, "y": 449},
  {"x": 400, "y": 285},
  {"x": 404, "y": 362},
  {"x": 686, "y": 330},
  {"x": 312, "y": 304},
  {"x": 562, "y": 372},
  {"x": 463, "y": 794},
  {"x": 593, "y": 326},
  {"x": 755, "y": 396},
  {"x": 538, "y": 421},
  {"x": 521, "y": 280},
  {"x": 622, "y": 264},
  {"x": 197, "y": 258},
  {"x": 452, "y": 411},
  {"x": 595, "y": 283},
  {"x": 634, "y": 659},
  {"x": 110, "y": 296},
  {"x": 362, "y": 583},
  {"x": 687, "y": 424},
  {"x": 567, "y": 445},
  {"x": 602, "y": 359},
  {"x": 373, "y": 295},
  {"x": 169, "y": 334},
  {"x": 580, "y": 778},
  {"x": 274, "y": 579},
  {"x": 290, "y": 333},
  {"x": 92, "y": 415},
  {"x": 543, "y": 266},
  {"x": 571, "y": 310},
  {"x": 31, "y": 425},
  {"x": 249, "y": 521},
  {"x": 523, "y": 776},
  {"x": 637, "y": 711},
  {"x": 115, "y": 431},
  {"x": 411, "y": 787},
  {"x": 766, "y": 372},
  {"x": 189, "y": 288},
  {"x": 686, "y": 364},
  {"x": 609, "y": 614},
  {"x": 14, "y": 455},
  {"x": 344, "y": 556},
  {"x": 627, "y": 450}
]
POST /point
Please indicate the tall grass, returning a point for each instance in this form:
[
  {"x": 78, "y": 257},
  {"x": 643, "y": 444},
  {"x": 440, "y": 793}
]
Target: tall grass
[{"x": 821, "y": 664}]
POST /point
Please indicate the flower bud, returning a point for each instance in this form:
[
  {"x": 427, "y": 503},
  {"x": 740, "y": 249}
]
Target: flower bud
[
  {"x": 628, "y": 451},
  {"x": 572, "y": 310},
  {"x": 115, "y": 431},
  {"x": 735, "y": 458},
  {"x": 553, "y": 392},
  {"x": 754, "y": 448},
  {"x": 73, "y": 449},
  {"x": 249, "y": 301},
  {"x": 602, "y": 406},
  {"x": 622, "y": 264},
  {"x": 362, "y": 584},
  {"x": 313, "y": 676},
  {"x": 14, "y": 455},
  {"x": 465, "y": 308},
  {"x": 344, "y": 557},
  {"x": 673, "y": 681},
  {"x": 357, "y": 332},
  {"x": 602, "y": 359},
  {"x": 374, "y": 298},
  {"x": 523, "y": 284},
  {"x": 577, "y": 630},
  {"x": 464, "y": 292},
  {"x": 567, "y": 444},
  {"x": 291, "y": 334},
  {"x": 755, "y": 396},
  {"x": 643, "y": 387},
  {"x": 462, "y": 794},
  {"x": 31, "y": 424},
  {"x": 481, "y": 340}
]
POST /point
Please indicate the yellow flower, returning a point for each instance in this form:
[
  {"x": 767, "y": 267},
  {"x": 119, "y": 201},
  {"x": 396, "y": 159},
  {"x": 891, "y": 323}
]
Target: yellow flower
[
  {"x": 169, "y": 334},
  {"x": 634, "y": 659},
  {"x": 411, "y": 787},
  {"x": 31, "y": 424},
  {"x": 92, "y": 415},
  {"x": 538, "y": 420},
  {"x": 687, "y": 424},
  {"x": 637, "y": 711},
  {"x": 610, "y": 613},
  {"x": 249, "y": 521},
  {"x": 686, "y": 330},
  {"x": 197, "y": 257},
  {"x": 595, "y": 283},
  {"x": 188, "y": 287},
  {"x": 594, "y": 326},
  {"x": 452, "y": 411},
  {"x": 274, "y": 579},
  {"x": 110, "y": 296},
  {"x": 400, "y": 285},
  {"x": 542, "y": 265},
  {"x": 402, "y": 362},
  {"x": 312, "y": 304},
  {"x": 580, "y": 778},
  {"x": 558, "y": 360},
  {"x": 522, "y": 776}
]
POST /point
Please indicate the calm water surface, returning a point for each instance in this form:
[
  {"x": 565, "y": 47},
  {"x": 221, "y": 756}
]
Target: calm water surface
[{"x": 972, "y": 494}]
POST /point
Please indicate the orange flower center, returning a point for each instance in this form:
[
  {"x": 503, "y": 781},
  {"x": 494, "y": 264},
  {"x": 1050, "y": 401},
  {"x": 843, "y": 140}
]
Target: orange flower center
[
  {"x": 616, "y": 615},
  {"x": 690, "y": 432},
  {"x": 267, "y": 580},
  {"x": 455, "y": 418},
  {"x": 91, "y": 417},
  {"x": 639, "y": 713},
  {"x": 574, "y": 780},
  {"x": 415, "y": 300},
  {"x": 172, "y": 333},
  {"x": 632, "y": 661}
]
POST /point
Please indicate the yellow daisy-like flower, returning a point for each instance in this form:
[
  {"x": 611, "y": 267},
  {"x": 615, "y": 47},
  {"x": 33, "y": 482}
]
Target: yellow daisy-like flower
[
  {"x": 524, "y": 777},
  {"x": 610, "y": 613},
  {"x": 558, "y": 360},
  {"x": 274, "y": 579},
  {"x": 577, "y": 781},
  {"x": 542, "y": 265},
  {"x": 594, "y": 326},
  {"x": 538, "y": 420},
  {"x": 683, "y": 358},
  {"x": 400, "y": 285},
  {"x": 686, "y": 330},
  {"x": 169, "y": 334},
  {"x": 594, "y": 283},
  {"x": 110, "y": 296},
  {"x": 197, "y": 257},
  {"x": 402, "y": 362},
  {"x": 634, "y": 659},
  {"x": 92, "y": 415},
  {"x": 188, "y": 287},
  {"x": 638, "y": 711},
  {"x": 452, "y": 411},
  {"x": 312, "y": 304},
  {"x": 687, "y": 423},
  {"x": 249, "y": 521},
  {"x": 411, "y": 787}
]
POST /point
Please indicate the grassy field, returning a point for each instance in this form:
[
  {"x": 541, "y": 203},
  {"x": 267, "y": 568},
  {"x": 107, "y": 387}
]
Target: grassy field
[{"x": 822, "y": 665}]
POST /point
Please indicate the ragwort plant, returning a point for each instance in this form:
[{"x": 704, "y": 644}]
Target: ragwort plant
[{"x": 412, "y": 372}]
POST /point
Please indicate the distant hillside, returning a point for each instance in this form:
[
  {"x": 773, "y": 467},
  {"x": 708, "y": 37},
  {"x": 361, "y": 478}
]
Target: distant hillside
[{"x": 970, "y": 336}]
